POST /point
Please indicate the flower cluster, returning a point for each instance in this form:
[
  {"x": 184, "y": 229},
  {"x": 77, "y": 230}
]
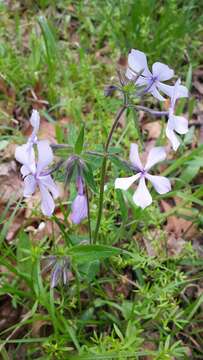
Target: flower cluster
[
  {"x": 36, "y": 173},
  {"x": 152, "y": 82}
]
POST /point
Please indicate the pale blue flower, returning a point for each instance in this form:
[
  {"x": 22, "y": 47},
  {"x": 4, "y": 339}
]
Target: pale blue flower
[
  {"x": 152, "y": 81},
  {"x": 35, "y": 175},
  {"x": 161, "y": 184},
  {"x": 176, "y": 123}
]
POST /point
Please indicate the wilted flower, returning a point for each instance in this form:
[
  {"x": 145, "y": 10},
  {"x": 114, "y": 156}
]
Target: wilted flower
[
  {"x": 74, "y": 163},
  {"x": 176, "y": 123},
  {"x": 36, "y": 175},
  {"x": 137, "y": 62},
  {"x": 79, "y": 205},
  {"x": 161, "y": 184},
  {"x": 60, "y": 269}
]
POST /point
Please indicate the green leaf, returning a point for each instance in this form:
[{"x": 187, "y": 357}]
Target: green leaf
[
  {"x": 49, "y": 39},
  {"x": 120, "y": 163},
  {"x": 89, "y": 177},
  {"x": 189, "y": 77},
  {"x": 123, "y": 205},
  {"x": 87, "y": 253},
  {"x": 24, "y": 254},
  {"x": 3, "y": 144},
  {"x": 59, "y": 133},
  {"x": 190, "y": 172},
  {"x": 90, "y": 269},
  {"x": 80, "y": 141}
]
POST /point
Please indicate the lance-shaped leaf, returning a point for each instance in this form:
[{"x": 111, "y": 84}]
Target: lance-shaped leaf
[
  {"x": 80, "y": 141},
  {"x": 89, "y": 177},
  {"x": 87, "y": 253}
]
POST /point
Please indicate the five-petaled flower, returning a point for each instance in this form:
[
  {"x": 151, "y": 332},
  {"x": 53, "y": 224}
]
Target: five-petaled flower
[
  {"x": 176, "y": 123},
  {"x": 37, "y": 175},
  {"x": 161, "y": 184},
  {"x": 137, "y": 62},
  {"x": 79, "y": 205}
]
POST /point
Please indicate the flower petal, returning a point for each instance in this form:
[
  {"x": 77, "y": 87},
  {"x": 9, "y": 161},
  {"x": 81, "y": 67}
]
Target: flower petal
[
  {"x": 134, "y": 157},
  {"x": 172, "y": 137},
  {"x": 137, "y": 61},
  {"x": 45, "y": 155},
  {"x": 179, "y": 91},
  {"x": 79, "y": 209},
  {"x": 142, "y": 196},
  {"x": 125, "y": 182},
  {"x": 47, "y": 204},
  {"x": 141, "y": 81},
  {"x": 155, "y": 155},
  {"x": 24, "y": 170},
  {"x": 29, "y": 185},
  {"x": 166, "y": 89},
  {"x": 56, "y": 275},
  {"x": 180, "y": 124},
  {"x": 162, "y": 71},
  {"x": 130, "y": 75},
  {"x": 25, "y": 155},
  {"x": 153, "y": 90},
  {"x": 161, "y": 184},
  {"x": 35, "y": 121},
  {"x": 50, "y": 185}
]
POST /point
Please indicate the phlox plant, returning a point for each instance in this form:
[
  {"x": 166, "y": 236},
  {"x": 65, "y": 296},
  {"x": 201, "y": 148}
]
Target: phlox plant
[{"x": 37, "y": 156}]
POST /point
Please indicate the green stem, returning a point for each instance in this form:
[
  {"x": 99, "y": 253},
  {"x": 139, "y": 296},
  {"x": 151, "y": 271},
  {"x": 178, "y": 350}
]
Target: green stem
[
  {"x": 88, "y": 214},
  {"x": 103, "y": 170},
  {"x": 78, "y": 290},
  {"x": 101, "y": 197}
]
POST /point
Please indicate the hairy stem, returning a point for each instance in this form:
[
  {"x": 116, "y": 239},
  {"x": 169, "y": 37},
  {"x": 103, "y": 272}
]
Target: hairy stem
[{"x": 103, "y": 170}]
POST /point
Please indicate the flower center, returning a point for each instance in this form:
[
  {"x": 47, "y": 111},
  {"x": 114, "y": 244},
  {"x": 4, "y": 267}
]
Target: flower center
[
  {"x": 152, "y": 80},
  {"x": 143, "y": 172}
]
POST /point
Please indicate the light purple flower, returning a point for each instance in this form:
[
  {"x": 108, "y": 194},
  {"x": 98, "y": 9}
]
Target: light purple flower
[
  {"x": 79, "y": 205},
  {"x": 161, "y": 184},
  {"x": 176, "y": 123},
  {"x": 36, "y": 175},
  {"x": 152, "y": 81},
  {"x": 26, "y": 151}
]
